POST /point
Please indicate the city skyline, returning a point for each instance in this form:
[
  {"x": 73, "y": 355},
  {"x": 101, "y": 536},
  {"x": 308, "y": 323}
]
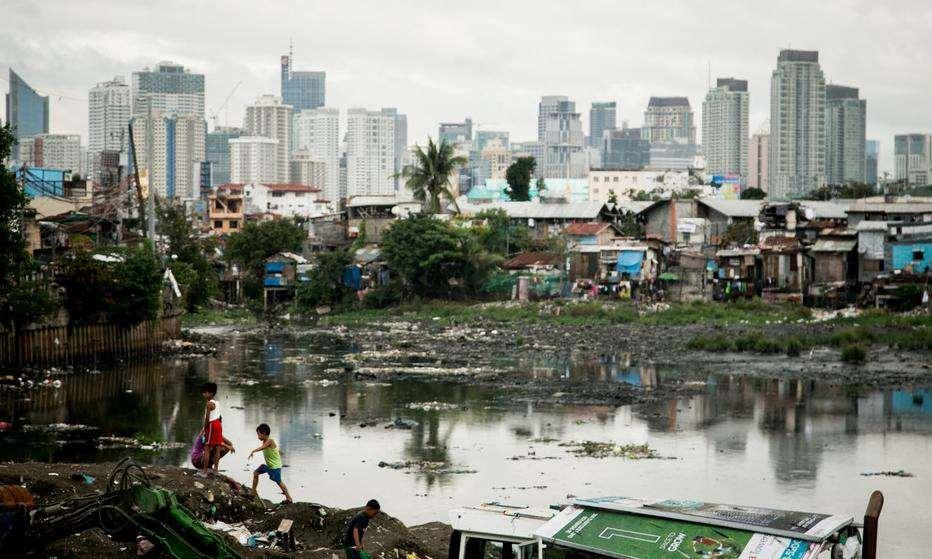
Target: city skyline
[{"x": 436, "y": 76}]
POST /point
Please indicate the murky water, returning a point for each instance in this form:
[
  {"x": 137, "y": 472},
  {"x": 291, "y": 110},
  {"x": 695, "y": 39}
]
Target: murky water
[{"x": 771, "y": 442}]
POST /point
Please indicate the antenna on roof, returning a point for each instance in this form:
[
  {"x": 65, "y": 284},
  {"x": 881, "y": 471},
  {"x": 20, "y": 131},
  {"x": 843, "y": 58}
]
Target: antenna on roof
[{"x": 290, "y": 48}]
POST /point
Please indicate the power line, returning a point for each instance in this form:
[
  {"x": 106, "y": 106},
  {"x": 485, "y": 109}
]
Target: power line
[{"x": 59, "y": 96}]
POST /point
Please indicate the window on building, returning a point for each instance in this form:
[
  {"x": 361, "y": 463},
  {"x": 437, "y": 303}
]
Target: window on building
[
  {"x": 919, "y": 255},
  {"x": 277, "y": 194},
  {"x": 614, "y": 179},
  {"x": 218, "y": 224},
  {"x": 234, "y": 224}
]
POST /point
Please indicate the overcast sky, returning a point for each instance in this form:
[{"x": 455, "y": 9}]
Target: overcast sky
[{"x": 491, "y": 60}]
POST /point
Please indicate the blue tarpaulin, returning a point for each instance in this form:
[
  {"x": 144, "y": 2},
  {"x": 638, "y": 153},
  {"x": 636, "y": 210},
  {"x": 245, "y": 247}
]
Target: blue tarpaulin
[
  {"x": 352, "y": 278},
  {"x": 629, "y": 262}
]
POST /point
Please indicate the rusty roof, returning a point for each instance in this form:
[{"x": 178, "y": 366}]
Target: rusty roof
[
  {"x": 526, "y": 259},
  {"x": 585, "y": 229}
]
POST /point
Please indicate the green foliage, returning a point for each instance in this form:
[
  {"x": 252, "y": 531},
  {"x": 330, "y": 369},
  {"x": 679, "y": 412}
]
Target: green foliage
[
  {"x": 498, "y": 235},
  {"x": 256, "y": 242},
  {"x": 428, "y": 177},
  {"x": 188, "y": 257},
  {"x": 833, "y": 191},
  {"x": 324, "y": 285},
  {"x": 382, "y": 296},
  {"x": 612, "y": 197},
  {"x": 518, "y": 175},
  {"x": 125, "y": 292},
  {"x": 220, "y": 317},
  {"x": 630, "y": 226},
  {"x": 740, "y": 232},
  {"x": 854, "y": 353},
  {"x": 753, "y": 194}
]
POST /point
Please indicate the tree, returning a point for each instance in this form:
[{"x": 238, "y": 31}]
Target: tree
[
  {"x": 324, "y": 285},
  {"x": 424, "y": 253},
  {"x": 740, "y": 233},
  {"x": 497, "y": 235},
  {"x": 428, "y": 177},
  {"x": 254, "y": 243},
  {"x": 518, "y": 175},
  {"x": 541, "y": 185},
  {"x": 612, "y": 197},
  {"x": 23, "y": 298},
  {"x": 188, "y": 256},
  {"x": 849, "y": 190},
  {"x": 753, "y": 194}
]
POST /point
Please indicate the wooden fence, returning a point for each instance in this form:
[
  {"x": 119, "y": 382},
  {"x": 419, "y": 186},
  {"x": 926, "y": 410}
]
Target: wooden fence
[{"x": 86, "y": 343}]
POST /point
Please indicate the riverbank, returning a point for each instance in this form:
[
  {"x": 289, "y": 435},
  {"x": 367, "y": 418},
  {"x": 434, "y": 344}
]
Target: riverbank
[{"x": 317, "y": 528}]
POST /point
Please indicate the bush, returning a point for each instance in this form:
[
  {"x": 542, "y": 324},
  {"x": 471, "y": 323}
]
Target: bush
[
  {"x": 793, "y": 347},
  {"x": 853, "y": 354},
  {"x": 324, "y": 285},
  {"x": 382, "y": 296}
]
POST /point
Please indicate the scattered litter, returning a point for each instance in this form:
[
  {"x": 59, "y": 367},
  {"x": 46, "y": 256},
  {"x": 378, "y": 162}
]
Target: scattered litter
[
  {"x": 892, "y": 473},
  {"x": 82, "y": 476},
  {"x": 593, "y": 449},
  {"x": 402, "y": 423},
  {"x": 130, "y": 442},
  {"x": 58, "y": 428},
  {"x": 432, "y": 406},
  {"x": 321, "y": 382},
  {"x": 425, "y": 466}
]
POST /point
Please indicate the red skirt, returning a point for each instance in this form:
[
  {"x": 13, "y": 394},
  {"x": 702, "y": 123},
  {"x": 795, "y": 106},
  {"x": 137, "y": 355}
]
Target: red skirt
[{"x": 214, "y": 433}]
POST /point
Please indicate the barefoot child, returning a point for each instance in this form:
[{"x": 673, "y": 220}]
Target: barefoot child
[
  {"x": 273, "y": 461},
  {"x": 213, "y": 429}
]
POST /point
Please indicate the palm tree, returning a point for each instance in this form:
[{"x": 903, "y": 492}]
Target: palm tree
[{"x": 429, "y": 176}]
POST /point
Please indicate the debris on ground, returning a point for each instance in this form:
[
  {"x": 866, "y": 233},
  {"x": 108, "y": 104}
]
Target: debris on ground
[
  {"x": 110, "y": 443},
  {"x": 594, "y": 449},
  {"x": 433, "y": 406},
  {"x": 320, "y": 382},
  {"x": 893, "y": 473},
  {"x": 401, "y": 423},
  {"x": 425, "y": 466}
]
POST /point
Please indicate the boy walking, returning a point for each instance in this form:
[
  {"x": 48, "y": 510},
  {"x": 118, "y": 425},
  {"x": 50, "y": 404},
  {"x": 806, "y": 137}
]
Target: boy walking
[
  {"x": 273, "y": 461},
  {"x": 213, "y": 429},
  {"x": 356, "y": 528}
]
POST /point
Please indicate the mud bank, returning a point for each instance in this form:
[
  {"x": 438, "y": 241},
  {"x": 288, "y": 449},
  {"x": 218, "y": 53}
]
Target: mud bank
[{"x": 317, "y": 528}]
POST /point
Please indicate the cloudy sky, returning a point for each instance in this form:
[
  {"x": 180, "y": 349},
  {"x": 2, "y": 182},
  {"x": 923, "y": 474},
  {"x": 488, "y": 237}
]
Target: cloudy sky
[{"x": 491, "y": 60}]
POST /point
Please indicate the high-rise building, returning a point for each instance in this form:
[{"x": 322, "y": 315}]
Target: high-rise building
[
  {"x": 797, "y": 125},
  {"x": 758, "y": 159},
  {"x": 845, "y": 123},
  {"x": 548, "y": 104},
  {"x": 725, "y": 128},
  {"x": 173, "y": 163},
  {"x": 52, "y": 151},
  {"x": 218, "y": 153},
  {"x": 254, "y": 159},
  {"x": 913, "y": 158},
  {"x": 370, "y": 153},
  {"x": 496, "y": 157},
  {"x": 317, "y": 131},
  {"x": 306, "y": 169},
  {"x": 302, "y": 90},
  {"x": 602, "y": 117},
  {"x": 625, "y": 149},
  {"x": 483, "y": 137},
  {"x": 530, "y": 149},
  {"x": 169, "y": 89},
  {"x": 270, "y": 118},
  {"x": 871, "y": 157},
  {"x": 108, "y": 111},
  {"x": 563, "y": 137},
  {"x": 669, "y": 120},
  {"x": 26, "y": 111},
  {"x": 456, "y": 133},
  {"x": 401, "y": 138}
]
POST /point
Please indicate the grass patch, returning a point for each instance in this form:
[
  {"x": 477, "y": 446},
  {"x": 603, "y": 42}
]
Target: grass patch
[
  {"x": 854, "y": 353},
  {"x": 220, "y": 317},
  {"x": 754, "y": 312}
]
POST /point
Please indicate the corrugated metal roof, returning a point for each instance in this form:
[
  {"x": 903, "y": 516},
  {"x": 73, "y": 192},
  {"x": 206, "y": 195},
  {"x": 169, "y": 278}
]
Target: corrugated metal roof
[
  {"x": 584, "y": 229},
  {"x": 48, "y": 206},
  {"x": 833, "y": 245},
  {"x": 526, "y": 259},
  {"x": 833, "y": 209},
  {"x": 538, "y": 210},
  {"x": 383, "y": 200},
  {"x": 730, "y": 252},
  {"x": 734, "y": 208},
  {"x": 868, "y": 225},
  {"x": 896, "y": 207}
]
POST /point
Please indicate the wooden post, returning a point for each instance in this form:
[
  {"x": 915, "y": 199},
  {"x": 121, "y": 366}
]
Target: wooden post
[{"x": 871, "y": 516}]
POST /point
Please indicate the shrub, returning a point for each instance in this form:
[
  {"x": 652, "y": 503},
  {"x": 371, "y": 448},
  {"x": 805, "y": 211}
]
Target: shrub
[
  {"x": 382, "y": 296},
  {"x": 853, "y": 354},
  {"x": 793, "y": 347}
]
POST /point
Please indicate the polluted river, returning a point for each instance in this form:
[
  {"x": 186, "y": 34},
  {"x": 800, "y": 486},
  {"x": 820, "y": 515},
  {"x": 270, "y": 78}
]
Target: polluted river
[{"x": 423, "y": 444}]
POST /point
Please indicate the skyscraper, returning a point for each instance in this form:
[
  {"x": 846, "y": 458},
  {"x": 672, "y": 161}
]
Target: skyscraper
[
  {"x": 871, "y": 157},
  {"x": 563, "y": 136},
  {"x": 602, "y": 117},
  {"x": 758, "y": 159},
  {"x": 669, "y": 120},
  {"x": 456, "y": 133},
  {"x": 725, "y": 128},
  {"x": 913, "y": 158},
  {"x": 483, "y": 137},
  {"x": 302, "y": 90},
  {"x": 625, "y": 149},
  {"x": 401, "y": 138},
  {"x": 177, "y": 152},
  {"x": 170, "y": 89},
  {"x": 270, "y": 118},
  {"x": 317, "y": 132},
  {"x": 218, "y": 153},
  {"x": 254, "y": 159},
  {"x": 547, "y": 104},
  {"x": 370, "y": 153},
  {"x": 845, "y": 123},
  {"x": 797, "y": 125},
  {"x": 26, "y": 110},
  {"x": 108, "y": 111}
]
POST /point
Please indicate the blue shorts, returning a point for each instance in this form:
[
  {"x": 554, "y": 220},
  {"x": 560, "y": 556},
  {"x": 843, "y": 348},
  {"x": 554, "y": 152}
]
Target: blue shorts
[{"x": 275, "y": 474}]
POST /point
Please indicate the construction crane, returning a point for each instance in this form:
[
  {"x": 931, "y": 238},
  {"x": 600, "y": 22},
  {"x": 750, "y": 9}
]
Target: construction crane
[{"x": 223, "y": 107}]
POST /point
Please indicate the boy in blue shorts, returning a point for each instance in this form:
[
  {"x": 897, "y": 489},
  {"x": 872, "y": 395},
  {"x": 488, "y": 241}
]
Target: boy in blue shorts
[{"x": 273, "y": 461}]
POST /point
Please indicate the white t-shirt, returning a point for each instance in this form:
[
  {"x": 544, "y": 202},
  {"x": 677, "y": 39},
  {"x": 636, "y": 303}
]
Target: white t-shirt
[{"x": 214, "y": 413}]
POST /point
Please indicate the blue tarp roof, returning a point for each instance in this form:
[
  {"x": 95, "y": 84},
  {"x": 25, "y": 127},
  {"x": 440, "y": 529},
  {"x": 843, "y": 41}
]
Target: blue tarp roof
[{"x": 629, "y": 262}]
